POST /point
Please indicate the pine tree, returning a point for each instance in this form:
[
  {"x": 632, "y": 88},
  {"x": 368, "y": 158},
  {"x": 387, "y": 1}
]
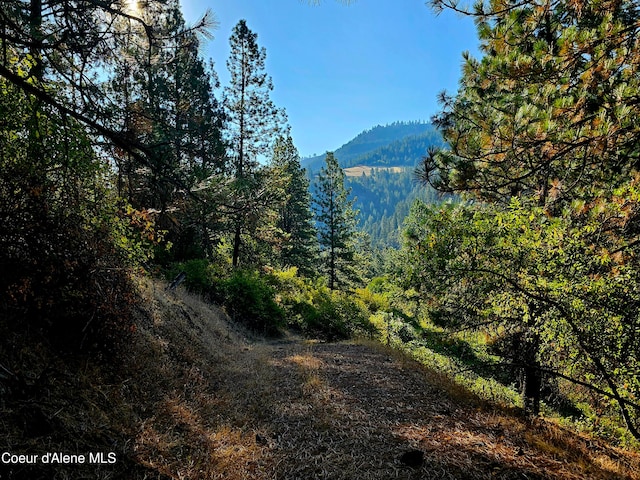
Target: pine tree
[
  {"x": 336, "y": 223},
  {"x": 167, "y": 93},
  {"x": 295, "y": 219},
  {"x": 192, "y": 132},
  {"x": 253, "y": 123},
  {"x": 550, "y": 110},
  {"x": 544, "y": 129},
  {"x": 548, "y": 114}
]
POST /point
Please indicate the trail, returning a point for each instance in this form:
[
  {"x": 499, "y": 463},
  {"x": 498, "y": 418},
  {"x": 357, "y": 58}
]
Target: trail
[
  {"x": 197, "y": 397},
  {"x": 217, "y": 403},
  {"x": 351, "y": 410}
]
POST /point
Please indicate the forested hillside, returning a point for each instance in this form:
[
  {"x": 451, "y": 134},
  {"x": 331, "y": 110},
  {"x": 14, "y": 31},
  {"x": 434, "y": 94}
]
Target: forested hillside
[
  {"x": 405, "y": 152},
  {"x": 180, "y": 298},
  {"x": 383, "y": 199},
  {"x": 383, "y": 196},
  {"x": 406, "y": 141}
]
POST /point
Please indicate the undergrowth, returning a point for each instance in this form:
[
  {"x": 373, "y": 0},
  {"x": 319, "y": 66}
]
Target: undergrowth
[
  {"x": 269, "y": 301},
  {"x": 465, "y": 358},
  {"x": 198, "y": 396}
]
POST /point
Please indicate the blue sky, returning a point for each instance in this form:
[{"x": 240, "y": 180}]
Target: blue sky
[{"x": 340, "y": 69}]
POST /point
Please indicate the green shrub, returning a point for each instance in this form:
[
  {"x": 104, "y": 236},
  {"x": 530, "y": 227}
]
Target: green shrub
[
  {"x": 248, "y": 297},
  {"x": 202, "y": 277},
  {"x": 379, "y": 285},
  {"x": 250, "y": 300},
  {"x": 372, "y": 300},
  {"x": 315, "y": 310},
  {"x": 327, "y": 318}
]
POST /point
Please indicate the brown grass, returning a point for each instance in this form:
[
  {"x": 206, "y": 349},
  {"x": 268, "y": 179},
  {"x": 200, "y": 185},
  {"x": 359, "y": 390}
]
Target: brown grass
[
  {"x": 366, "y": 170},
  {"x": 198, "y": 398}
]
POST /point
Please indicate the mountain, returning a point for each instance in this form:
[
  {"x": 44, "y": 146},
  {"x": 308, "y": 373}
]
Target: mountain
[
  {"x": 382, "y": 144},
  {"x": 379, "y": 165},
  {"x": 405, "y": 152},
  {"x": 383, "y": 199}
]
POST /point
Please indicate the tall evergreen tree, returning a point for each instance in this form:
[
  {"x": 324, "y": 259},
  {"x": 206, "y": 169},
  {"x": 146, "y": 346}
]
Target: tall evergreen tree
[
  {"x": 253, "y": 123},
  {"x": 336, "y": 224},
  {"x": 167, "y": 92},
  {"x": 544, "y": 128},
  {"x": 295, "y": 218}
]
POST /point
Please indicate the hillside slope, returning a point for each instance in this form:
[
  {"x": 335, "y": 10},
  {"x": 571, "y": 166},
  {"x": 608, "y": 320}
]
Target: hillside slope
[
  {"x": 405, "y": 152},
  {"x": 381, "y": 144},
  {"x": 383, "y": 198},
  {"x": 196, "y": 397},
  {"x": 384, "y": 194}
]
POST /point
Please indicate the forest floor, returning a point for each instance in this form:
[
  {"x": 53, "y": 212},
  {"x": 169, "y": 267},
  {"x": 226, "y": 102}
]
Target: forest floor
[
  {"x": 198, "y": 398},
  {"x": 355, "y": 410}
]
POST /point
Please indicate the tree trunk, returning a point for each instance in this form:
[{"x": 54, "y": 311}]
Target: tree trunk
[
  {"x": 527, "y": 347},
  {"x": 236, "y": 245}
]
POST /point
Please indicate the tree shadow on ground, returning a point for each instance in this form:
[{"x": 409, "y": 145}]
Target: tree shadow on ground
[{"x": 350, "y": 411}]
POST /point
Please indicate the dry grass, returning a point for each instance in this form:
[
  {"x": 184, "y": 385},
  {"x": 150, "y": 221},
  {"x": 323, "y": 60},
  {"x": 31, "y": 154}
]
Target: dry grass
[
  {"x": 198, "y": 398},
  {"x": 366, "y": 170},
  {"x": 370, "y": 405}
]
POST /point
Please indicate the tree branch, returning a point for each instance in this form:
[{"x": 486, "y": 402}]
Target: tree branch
[
  {"x": 558, "y": 375},
  {"x": 138, "y": 150}
]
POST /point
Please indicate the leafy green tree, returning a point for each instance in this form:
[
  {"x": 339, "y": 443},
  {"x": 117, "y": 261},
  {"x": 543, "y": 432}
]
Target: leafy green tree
[
  {"x": 530, "y": 280},
  {"x": 299, "y": 247},
  {"x": 336, "y": 222},
  {"x": 542, "y": 128},
  {"x": 253, "y": 123}
]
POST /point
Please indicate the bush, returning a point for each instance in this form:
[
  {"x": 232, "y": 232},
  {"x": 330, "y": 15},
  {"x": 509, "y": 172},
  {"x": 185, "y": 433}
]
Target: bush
[
  {"x": 247, "y": 296},
  {"x": 317, "y": 311},
  {"x": 372, "y": 300},
  {"x": 202, "y": 276},
  {"x": 339, "y": 316},
  {"x": 65, "y": 275},
  {"x": 250, "y": 300}
]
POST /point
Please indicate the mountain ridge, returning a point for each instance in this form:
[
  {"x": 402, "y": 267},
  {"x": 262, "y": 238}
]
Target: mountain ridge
[
  {"x": 378, "y": 142},
  {"x": 383, "y": 187}
]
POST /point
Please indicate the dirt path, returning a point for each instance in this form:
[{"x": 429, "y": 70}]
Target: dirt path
[
  {"x": 198, "y": 398},
  {"x": 213, "y": 404},
  {"x": 350, "y": 411}
]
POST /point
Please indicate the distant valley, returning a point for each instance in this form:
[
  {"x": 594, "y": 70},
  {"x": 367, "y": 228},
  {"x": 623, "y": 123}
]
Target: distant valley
[{"x": 379, "y": 165}]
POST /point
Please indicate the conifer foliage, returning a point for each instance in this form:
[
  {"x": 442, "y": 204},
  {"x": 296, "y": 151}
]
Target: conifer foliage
[
  {"x": 166, "y": 91},
  {"x": 336, "y": 224},
  {"x": 253, "y": 123},
  {"x": 295, "y": 218},
  {"x": 550, "y": 109}
]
